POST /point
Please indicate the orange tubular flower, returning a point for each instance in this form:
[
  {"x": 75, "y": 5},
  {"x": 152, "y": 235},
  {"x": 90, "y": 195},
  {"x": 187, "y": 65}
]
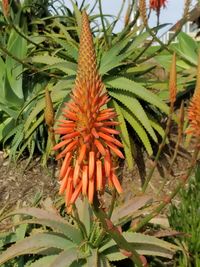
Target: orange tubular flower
[
  {"x": 157, "y": 4},
  {"x": 88, "y": 134},
  {"x": 194, "y": 115}
]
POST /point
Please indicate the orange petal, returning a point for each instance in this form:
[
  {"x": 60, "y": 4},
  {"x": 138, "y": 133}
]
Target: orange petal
[
  {"x": 106, "y": 117},
  {"x": 68, "y": 192},
  {"x": 70, "y": 115},
  {"x": 68, "y": 148},
  {"x": 91, "y": 164},
  {"x": 76, "y": 173},
  {"x": 82, "y": 153},
  {"x": 76, "y": 193},
  {"x": 87, "y": 138},
  {"x": 85, "y": 180},
  {"x": 62, "y": 143},
  {"x": 116, "y": 183},
  {"x": 110, "y": 139},
  {"x": 115, "y": 150},
  {"x": 67, "y": 123},
  {"x": 99, "y": 177},
  {"x": 111, "y": 123},
  {"x": 91, "y": 190},
  {"x": 94, "y": 133},
  {"x": 109, "y": 130},
  {"x": 64, "y": 182},
  {"x": 100, "y": 147},
  {"x": 65, "y": 165},
  {"x": 71, "y": 135},
  {"x": 107, "y": 163},
  {"x": 64, "y": 130}
]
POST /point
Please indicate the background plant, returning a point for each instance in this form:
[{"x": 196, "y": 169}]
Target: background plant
[{"x": 184, "y": 218}]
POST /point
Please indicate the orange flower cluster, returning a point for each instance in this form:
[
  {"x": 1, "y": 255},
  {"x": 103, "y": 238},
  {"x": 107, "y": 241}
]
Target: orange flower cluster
[
  {"x": 194, "y": 115},
  {"x": 157, "y": 4},
  {"x": 88, "y": 134}
]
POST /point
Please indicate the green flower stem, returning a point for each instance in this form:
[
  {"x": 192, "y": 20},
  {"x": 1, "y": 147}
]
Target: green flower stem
[
  {"x": 112, "y": 204},
  {"x": 148, "y": 178},
  {"x": 103, "y": 24},
  {"x": 110, "y": 211},
  {"x": 168, "y": 199},
  {"x": 114, "y": 233}
]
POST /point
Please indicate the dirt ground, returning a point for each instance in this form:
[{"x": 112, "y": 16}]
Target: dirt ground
[{"x": 22, "y": 185}]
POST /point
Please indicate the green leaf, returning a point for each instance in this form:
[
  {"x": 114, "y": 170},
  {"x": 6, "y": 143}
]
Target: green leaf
[
  {"x": 66, "y": 258},
  {"x": 18, "y": 47},
  {"x": 5, "y": 127},
  {"x": 7, "y": 238},
  {"x": 35, "y": 244},
  {"x": 85, "y": 213},
  {"x": 67, "y": 67},
  {"x": 136, "y": 89},
  {"x": 50, "y": 218},
  {"x": 187, "y": 47},
  {"x": 143, "y": 244},
  {"x": 125, "y": 211},
  {"x": 124, "y": 135},
  {"x": 92, "y": 260},
  {"x": 44, "y": 261},
  {"x": 103, "y": 261},
  {"x": 138, "y": 129},
  {"x": 135, "y": 107}
]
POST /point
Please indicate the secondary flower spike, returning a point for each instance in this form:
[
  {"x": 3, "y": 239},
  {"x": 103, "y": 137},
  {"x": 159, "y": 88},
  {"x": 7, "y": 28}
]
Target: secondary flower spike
[
  {"x": 194, "y": 108},
  {"x": 88, "y": 134}
]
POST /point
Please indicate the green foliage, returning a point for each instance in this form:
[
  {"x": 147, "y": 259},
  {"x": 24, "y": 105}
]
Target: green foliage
[
  {"x": 187, "y": 50},
  {"x": 44, "y": 237},
  {"x": 45, "y": 54},
  {"x": 185, "y": 218}
]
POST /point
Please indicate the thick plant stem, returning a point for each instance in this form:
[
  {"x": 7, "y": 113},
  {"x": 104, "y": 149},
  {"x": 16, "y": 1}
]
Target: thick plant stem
[
  {"x": 148, "y": 178},
  {"x": 168, "y": 198},
  {"x": 115, "y": 234}
]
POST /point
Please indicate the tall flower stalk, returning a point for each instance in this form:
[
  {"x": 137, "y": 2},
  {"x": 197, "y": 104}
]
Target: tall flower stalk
[{"x": 88, "y": 135}]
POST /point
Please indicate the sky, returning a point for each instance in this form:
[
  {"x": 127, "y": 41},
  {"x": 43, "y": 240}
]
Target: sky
[{"x": 171, "y": 14}]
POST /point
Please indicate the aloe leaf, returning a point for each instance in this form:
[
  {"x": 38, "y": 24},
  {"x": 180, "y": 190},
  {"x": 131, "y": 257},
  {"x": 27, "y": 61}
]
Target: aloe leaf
[
  {"x": 124, "y": 135},
  {"x": 187, "y": 48},
  {"x": 136, "y": 89},
  {"x": 126, "y": 210},
  {"x": 44, "y": 261},
  {"x": 35, "y": 244},
  {"x": 143, "y": 244},
  {"x": 7, "y": 238},
  {"x": 92, "y": 260},
  {"x": 135, "y": 107},
  {"x": 103, "y": 261},
  {"x": 85, "y": 213},
  {"x": 5, "y": 127},
  {"x": 51, "y": 218},
  {"x": 66, "y": 258},
  {"x": 138, "y": 129},
  {"x": 67, "y": 67},
  {"x": 18, "y": 47},
  {"x": 66, "y": 229}
]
